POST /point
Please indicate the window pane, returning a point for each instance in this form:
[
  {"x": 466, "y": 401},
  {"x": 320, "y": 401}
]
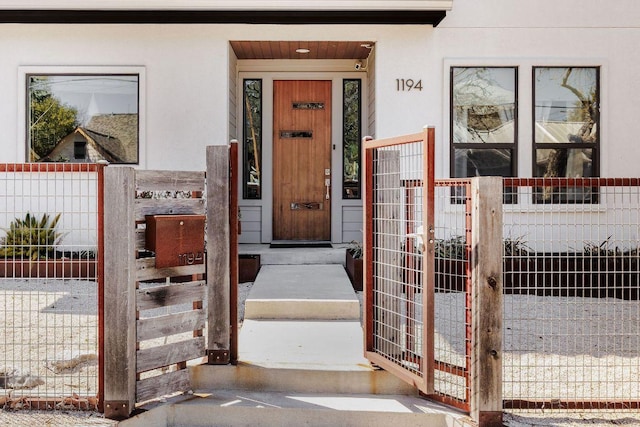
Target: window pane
[
  {"x": 351, "y": 136},
  {"x": 483, "y": 162},
  {"x": 566, "y": 105},
  {"x": 99, "y": 109},
  {"x": 252, "y": 149},
  {"x": 564, "y": 162},
  {"x": 483, "y": 104}
]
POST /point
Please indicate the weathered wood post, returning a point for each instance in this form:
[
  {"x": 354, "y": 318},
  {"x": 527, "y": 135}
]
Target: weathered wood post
[
  {"x": 119, "y": 292},
  {"x": 486, "y": 278},
  {"x": 218, "y": 256}
]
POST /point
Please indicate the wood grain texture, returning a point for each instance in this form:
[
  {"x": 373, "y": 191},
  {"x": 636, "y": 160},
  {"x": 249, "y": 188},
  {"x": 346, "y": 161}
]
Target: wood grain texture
[
  {"x": 299, "y": 163},
  {"x": 173, "y": 294},
  {"x": 154, "y": 180},
  {"x": 486, "y": 279},
  {"x": 144, "y": 207},
  {"x": 146, "y": 270},
  {"x": 218, "y": 251},
  {"x": 169, "y": 354},
  {"x": 119, "y": 282},
  {"x": 171, "y": 324},
  {"x": 162, "y": 385}
]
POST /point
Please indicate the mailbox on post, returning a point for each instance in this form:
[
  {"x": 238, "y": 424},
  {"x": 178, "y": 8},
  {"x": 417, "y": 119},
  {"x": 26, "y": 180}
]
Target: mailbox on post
[{"x": 176, "y": 239}]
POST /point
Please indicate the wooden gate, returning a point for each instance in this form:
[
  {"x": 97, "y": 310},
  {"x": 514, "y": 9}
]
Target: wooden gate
[
  {"x": 399, "y": 256},
  {"x": 166, "y": 275}
]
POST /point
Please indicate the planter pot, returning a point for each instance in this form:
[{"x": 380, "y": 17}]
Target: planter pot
[
  {"x": 248, "y": 267},
  {"x": 354, "y": 271},
  {"x": 58, "y": 268}
]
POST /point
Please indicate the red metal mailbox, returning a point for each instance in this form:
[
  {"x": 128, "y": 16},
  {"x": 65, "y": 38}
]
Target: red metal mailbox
[{"x": 176, "y": 239}]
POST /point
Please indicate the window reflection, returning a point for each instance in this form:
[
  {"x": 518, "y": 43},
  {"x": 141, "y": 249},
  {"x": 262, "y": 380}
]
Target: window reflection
[
  {"x": 252, "y": 147},
  {"x": 83, "y": 118},
  {"x": 566, "y": 133},
  {"x": 351, "y": 136},
  {"x": 484, "y": 105}
]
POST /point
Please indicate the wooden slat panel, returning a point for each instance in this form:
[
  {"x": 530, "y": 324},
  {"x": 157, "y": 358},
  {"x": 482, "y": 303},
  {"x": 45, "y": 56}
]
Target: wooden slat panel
[
  {"x": 119, "y": 290},
  {"x": 150, "y": 180},
  {"x": 162, "y": 385},
  {"x": 163, "y": 296},
  {"x": 168, "y": 206},
  {"x": 169, "y": 354},
  {"x": 147, "y": 270},
  {"x": 171, "y": 324}
]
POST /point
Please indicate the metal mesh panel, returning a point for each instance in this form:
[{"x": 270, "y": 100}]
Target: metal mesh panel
[
  {"x": 48, "y": 285},
  {"x": 571, "y": 282},
  {"x": 397, "y": 219},
  {"x": 452, "y": 293}
]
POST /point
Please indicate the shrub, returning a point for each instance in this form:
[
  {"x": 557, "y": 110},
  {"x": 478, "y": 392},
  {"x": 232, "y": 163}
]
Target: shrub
[{"x": 30, "y": 237}]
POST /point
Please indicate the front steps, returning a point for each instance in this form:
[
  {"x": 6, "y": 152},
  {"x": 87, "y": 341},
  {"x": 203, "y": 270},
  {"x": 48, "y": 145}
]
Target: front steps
[{"x": 301, "y": 361}]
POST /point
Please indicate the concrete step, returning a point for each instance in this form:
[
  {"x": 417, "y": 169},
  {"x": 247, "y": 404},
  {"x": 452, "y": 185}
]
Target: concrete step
[
  {"x": 250, "y": 408},
  {"x": 295, "y": 256},
  {"x": 310, "y": 292}
]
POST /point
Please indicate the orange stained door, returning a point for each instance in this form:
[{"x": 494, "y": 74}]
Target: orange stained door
[{"x": 301, "y": 160}]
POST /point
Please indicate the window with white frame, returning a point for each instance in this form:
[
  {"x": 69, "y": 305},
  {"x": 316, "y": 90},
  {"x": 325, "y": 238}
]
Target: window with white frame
[{"x": 99, "y": 109}]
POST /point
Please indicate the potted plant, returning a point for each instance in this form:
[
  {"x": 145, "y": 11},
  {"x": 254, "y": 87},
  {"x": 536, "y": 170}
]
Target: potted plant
[{"x": 353, "y": 264}]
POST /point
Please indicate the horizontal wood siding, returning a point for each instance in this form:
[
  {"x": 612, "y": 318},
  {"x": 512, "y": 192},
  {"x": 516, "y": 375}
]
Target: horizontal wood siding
[
  {"x": 251, "y": 224},
  {"x": 352, "y": 223}
]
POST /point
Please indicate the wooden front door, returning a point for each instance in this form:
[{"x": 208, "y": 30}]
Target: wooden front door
[{"x": 301, "y": 160}]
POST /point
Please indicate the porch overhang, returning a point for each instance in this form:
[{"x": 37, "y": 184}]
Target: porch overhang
[{"x": 416, "y": 12}]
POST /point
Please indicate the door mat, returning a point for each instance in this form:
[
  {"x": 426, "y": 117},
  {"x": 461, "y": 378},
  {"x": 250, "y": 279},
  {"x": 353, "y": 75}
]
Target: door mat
[{"x": 300, "y": 244}]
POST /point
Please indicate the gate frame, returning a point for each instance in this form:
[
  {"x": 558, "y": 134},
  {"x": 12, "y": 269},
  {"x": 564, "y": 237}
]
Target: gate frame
[{"x": 425, "y": 383}]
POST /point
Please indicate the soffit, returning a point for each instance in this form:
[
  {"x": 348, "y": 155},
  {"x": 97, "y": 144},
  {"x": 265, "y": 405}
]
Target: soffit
[{"x": 287, "y": 49}]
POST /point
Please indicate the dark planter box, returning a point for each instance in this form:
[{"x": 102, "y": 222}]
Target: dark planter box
[
  {"x": 58, "y": 268},
  {"x": 354, "y": 271},
  {"x": 248, "y": 267},
  {"x": 564, "y": 276},
  {"x": 573, "y": 276}
]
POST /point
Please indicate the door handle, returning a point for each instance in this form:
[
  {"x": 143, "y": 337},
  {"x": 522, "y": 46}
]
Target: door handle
[{"x": 327, "y": 184}]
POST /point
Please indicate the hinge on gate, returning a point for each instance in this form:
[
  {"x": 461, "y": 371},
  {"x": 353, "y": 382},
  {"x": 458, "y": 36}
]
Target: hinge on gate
[
  {"x": 219, "y": 357},
  {"x": 116, "y": 409}
]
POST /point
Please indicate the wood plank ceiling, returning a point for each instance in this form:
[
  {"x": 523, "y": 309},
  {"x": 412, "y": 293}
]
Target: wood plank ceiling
[{"x": 287, "y": 49}]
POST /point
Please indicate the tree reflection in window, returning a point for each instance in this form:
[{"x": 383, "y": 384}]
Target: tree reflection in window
[
  {"x": 351, "y": 136},
  {"x": 252, "y": 147},
  {"x": 101, "y": 110},
  {"x": 566, "y": 131}
]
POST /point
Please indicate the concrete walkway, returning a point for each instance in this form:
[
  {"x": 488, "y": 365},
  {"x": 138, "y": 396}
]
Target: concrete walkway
[{"x": 303, "y": 317}]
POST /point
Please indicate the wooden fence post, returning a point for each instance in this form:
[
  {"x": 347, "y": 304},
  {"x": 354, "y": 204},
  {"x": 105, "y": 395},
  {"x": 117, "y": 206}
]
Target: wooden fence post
[
  {"x": 218, "y": 256},
  {"x": 486, "y": 278},
  {"x": 119, "y": 293}
]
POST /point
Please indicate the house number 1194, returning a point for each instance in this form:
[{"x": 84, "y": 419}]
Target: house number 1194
[{"x": 407, "y": 85}]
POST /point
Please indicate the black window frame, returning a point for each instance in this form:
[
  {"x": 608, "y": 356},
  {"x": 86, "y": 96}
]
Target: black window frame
[
  {"x": 561, "y": 197},
  {"x": 358, "y": 188}
]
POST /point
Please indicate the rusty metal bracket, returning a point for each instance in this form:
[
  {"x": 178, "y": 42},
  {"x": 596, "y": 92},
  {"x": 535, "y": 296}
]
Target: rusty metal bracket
[
  {"x": 116, "y": 409},
  {"x": 219, "y": 357}
]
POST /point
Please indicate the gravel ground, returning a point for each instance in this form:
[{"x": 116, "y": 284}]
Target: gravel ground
[{"x": 55, "y": 303}]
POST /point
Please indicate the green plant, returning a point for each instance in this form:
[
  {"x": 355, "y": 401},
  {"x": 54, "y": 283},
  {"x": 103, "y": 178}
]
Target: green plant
[
  {"x": 452, "y": 248},
  {"x": 355, "y": 249},
  {"x": 515, "y": 246},
  {"x": 30, "y": 237}
]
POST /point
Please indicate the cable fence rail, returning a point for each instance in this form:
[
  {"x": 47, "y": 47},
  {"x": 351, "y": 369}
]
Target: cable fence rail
[{"x": 49, "y": 220}]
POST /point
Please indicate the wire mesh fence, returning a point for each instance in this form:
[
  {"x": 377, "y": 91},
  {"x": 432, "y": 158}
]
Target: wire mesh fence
[
  {"x": 452, "y": 298},
  {"x": 48, "y": 286},
  {"x": 571, "y": 282}
]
